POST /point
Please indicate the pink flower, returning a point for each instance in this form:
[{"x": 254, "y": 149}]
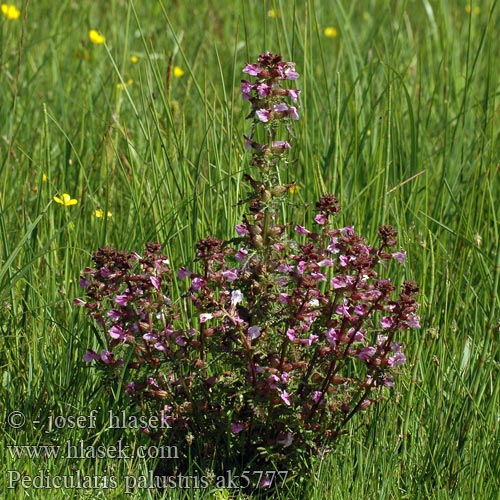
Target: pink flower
[
  {"x": 246, "y": 89},
  {"x": 253, "y": 332},
  {"x": 398, "y": 359},
  {"x": 287, "y": 71},
  {"x": 237, "y": 427},
  {"x": 241, "y": 255},
  {"x": 332, "y": 246},
  {"x": 123, "y": 299},
  {"x": 105, "y": 272},
  {"x": 198, "y": 283},
  {"x": 290, "y": 333},
  {"x": 155, "y": 281},
  {"x": 107, "y": 357},
  {"x": 272, "y": 380},
  {"x": 283, "y": 298},
  {"x": 359, "y": 335},
  {"x": 291, "y": 74},
  {"x": 90, "y": 355},
  {"x": 400, "y": 256},
  {"x": 309, "y": 341},
  {"x": 321, "y": 219},
  {"x": 84, "y": 282},
  {"x": 302, "y": 230},
  {"x": 294, "y": 94},
  {"x": 301, "y": 266},
  {"x": 317, "y": 396},
  {"x": 253, "y": 69},
  {"x": 230, "y": 274},
  {"x": 284, "y": 268},
  {"x": 347, "y": 231},
  {"x": 387, "y": 322},
  {"x": 117, "y": 332},
  {"x": 360, "y": 310},
  {"x": 292, "y": 111},
  {"x": 241, "y": 230},
  {"x": 333, "y": 336},
  {"x": 236, "y": 297},
  {"x": 114, "y": 314},
  {"x": 366, "y": 353},
  {"x": 280, "y": 146},
  {"x": 183, "y": 272},
  {"x": 204, "y": 317},
  {"x": 150, "y": 337},
  {"x": 413, "y": 321},
  {"x": 280, "y": 108},
  {"x": 325, "y": 262},
  {"x": 180, "y": 340},
  {"x": 343, "y": 309},
  {"x": 263, "y": 89},
  {"x": 344, "y": 260},
  {"x": 264, "y": 115},
  {"x": 338, "y": 282},
  {"x": 318, "y": 276},
  {"x": 285, "y": 397}
]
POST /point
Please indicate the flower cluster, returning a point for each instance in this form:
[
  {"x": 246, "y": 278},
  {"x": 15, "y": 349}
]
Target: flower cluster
[
  {"x": 10, "y": 11},
  {"x": 273, "y": 109},
  {"x": 278, "y": 339}
]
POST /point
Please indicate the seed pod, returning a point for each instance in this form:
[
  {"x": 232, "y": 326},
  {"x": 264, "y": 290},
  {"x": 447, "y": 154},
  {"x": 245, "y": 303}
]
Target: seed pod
[
  {"x": 265, "y": 195},
  {"x": 258, "y": 241},
  {"x": 278, "y": 191},
  {"x": 254, "y": 229},
  {"x": 274, "y": 231}
]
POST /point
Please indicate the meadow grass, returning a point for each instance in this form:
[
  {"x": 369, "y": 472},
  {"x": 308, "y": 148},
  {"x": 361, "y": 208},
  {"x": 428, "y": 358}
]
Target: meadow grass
[{"x": 399, "y": 118}]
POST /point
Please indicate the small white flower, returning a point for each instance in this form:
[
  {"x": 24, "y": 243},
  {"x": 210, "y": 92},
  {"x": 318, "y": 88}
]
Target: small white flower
[{"x": 236, "y": 297}]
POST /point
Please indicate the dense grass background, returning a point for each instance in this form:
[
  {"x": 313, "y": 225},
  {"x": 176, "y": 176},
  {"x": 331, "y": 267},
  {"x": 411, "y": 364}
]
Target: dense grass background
[{"x": 399, "y": 118}]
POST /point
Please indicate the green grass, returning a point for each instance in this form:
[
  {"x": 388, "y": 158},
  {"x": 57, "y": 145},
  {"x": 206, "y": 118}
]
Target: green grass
[{"x": 399, "y": 118}]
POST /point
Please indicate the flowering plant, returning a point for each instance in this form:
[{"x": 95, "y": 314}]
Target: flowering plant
[{"x": 278, "y": 341}]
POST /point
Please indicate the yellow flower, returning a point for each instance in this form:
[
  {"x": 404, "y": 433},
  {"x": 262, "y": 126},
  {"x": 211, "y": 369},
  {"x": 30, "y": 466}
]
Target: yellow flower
[
  {"x": 469, "y": 9},
  {"x": 10, "y": 11},
  {"x": 121, "y": 86},
  {"x": 273, "y": 13},
  {"x": 331, "y": 32},
  {"x": 66, "y": 200},
  {"x": 96, "y": 37},
  {"x": 99, "y": 213},
  {"x": 134, "y": 59},
  {"x": 178, "y": 72},
  {"x": 294, "y": 188},
  {"x": 44, "y": 178}
]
